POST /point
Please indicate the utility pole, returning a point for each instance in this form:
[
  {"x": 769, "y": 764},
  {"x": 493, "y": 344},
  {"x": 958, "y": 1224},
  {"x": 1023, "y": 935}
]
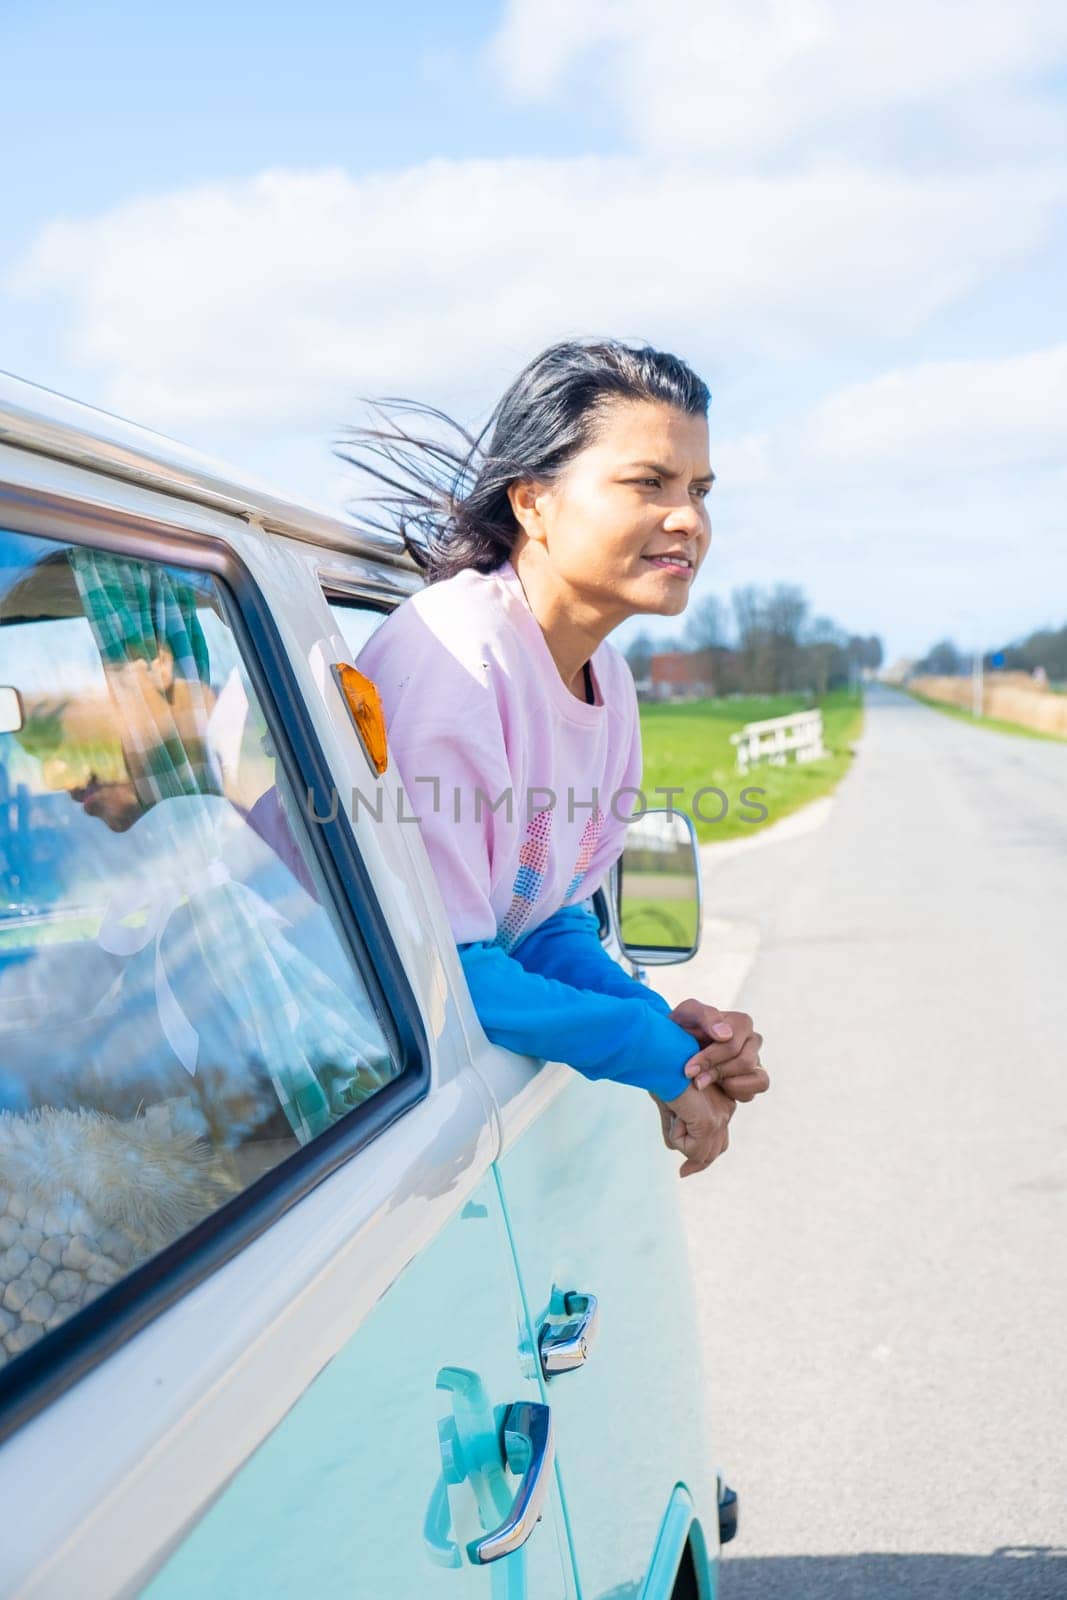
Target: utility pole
[{"x": 976, "y": 684}]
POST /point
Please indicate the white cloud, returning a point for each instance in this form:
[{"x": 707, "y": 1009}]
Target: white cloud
[
  {"x": 808, "y": 181},
  {"x": 743, "y": 80},
  {"x": 931, "y": 420},
  {"x": 272, "y": 302},
  {"x": 948, "y": 415}
]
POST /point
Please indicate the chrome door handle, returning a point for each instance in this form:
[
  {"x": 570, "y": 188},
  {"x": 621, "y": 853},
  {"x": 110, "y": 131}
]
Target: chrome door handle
[
  {"x": 566, "y": 1345},
  {"x": 529, "y": 1448}
]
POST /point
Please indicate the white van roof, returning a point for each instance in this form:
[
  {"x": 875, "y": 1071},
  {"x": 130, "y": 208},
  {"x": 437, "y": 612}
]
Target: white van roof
[{"x": 49, "y": 424}]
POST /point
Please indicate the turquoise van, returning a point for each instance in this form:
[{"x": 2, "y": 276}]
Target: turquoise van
[{"x": 306, "y": 1289}]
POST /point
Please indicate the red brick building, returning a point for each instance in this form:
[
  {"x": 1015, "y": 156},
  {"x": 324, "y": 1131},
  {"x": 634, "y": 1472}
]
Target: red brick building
[{"x": 683, "y": 674}]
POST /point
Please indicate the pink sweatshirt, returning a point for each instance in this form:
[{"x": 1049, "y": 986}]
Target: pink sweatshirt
[{"x": 474, "y": 701}]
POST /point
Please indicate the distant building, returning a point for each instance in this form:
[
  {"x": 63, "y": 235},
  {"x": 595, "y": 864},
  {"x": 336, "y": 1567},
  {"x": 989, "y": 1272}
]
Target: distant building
[{"x": 683, "y": 674}]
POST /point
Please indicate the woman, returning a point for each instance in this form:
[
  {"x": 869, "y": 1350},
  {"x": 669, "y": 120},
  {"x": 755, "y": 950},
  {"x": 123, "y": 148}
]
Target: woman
[{"x": 514, "y": 723}]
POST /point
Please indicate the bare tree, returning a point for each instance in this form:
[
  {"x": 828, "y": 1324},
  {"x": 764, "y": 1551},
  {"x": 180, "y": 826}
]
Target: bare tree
[
  {"x": 785, "y": 610},
  {"x": 943, "y": 661},
  {"x": 706, "y": 627},
  {"x": 780, "y": 650},
  {"x": 753, "y": 646},
  {"x": 874, "y": 655},
  {"x": 825, "y": 646},
  {"x": 639, "y": 653}
]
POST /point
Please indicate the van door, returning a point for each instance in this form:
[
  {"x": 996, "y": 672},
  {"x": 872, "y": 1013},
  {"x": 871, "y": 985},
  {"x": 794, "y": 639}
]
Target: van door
[
  {"x": 591, "y": 1198},
  {"x": 411, "y": 1446}
]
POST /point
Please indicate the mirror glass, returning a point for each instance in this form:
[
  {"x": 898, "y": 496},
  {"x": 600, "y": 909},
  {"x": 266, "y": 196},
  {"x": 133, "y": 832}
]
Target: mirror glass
[{"x": 659, "y": 888}]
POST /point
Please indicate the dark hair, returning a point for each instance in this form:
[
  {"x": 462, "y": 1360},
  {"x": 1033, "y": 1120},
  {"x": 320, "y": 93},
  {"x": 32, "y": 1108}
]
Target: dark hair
[{"x": 450, "y": 505}]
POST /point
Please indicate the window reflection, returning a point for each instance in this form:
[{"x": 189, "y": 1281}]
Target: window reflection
[{"x": 178, "y": 1011}]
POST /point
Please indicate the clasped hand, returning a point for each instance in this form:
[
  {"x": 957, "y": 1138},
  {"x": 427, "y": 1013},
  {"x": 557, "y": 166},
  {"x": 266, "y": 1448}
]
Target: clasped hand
[{"x": 723, "y": 1072}]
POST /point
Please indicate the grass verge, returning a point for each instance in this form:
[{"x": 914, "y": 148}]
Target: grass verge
[
  {"x": 1019, "y": 729},
  {"x": 688, "y": 747}
]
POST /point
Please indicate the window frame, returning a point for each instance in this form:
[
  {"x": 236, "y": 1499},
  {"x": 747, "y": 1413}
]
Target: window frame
[
  {"x": 603, "y": 915},
  {"x": 41, "y": 1374}
]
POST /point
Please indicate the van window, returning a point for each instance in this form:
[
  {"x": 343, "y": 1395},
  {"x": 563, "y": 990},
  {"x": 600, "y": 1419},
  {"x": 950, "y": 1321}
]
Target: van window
[
  {"x": 179, "y": 1008},
  {"x": 356, "y": 621}
]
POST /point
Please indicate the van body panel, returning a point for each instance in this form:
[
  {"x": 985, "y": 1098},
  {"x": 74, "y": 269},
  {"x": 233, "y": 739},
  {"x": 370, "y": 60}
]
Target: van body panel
[
  {"x": 373, "y": 1485},
  {"x": 589, "y": 1191},
  {"x": 677, "y": 1531}
]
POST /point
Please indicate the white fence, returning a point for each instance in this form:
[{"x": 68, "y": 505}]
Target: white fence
[{"x": 775, "y": 740}]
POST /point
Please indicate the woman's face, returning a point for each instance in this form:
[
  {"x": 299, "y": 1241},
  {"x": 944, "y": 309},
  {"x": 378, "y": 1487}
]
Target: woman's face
[{"x": 633, "y": 497}]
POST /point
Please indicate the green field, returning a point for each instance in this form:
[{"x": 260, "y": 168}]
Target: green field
[
  {"x": 689, "y": 745},
  {"x": 996, "y": 723}
]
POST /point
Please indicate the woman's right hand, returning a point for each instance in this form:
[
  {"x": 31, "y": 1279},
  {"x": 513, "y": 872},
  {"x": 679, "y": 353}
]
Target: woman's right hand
[
  {"x": 696, "y": 1122},
  {"x": 730, "y": 1049}
]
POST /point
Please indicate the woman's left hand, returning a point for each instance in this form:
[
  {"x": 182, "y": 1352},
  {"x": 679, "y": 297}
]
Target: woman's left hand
[{"x": 730, "y": 1049}]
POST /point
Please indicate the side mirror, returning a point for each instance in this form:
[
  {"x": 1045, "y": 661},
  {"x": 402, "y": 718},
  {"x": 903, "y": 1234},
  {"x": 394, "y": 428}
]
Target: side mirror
[{"x": 658, "y": 889}]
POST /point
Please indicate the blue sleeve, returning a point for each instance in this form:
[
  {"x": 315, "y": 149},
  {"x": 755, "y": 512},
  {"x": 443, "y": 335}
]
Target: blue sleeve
[
  {"x": 567, "y": 946},
  {"x": 600, "y": 1034}
]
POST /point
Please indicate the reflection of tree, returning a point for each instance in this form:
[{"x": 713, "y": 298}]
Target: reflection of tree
[
  {"x": 42, "y": 732},
  {"x": 647, "y": 859}
]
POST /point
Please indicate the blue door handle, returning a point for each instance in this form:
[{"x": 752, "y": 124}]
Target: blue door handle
[
  {"x": 529, "y": 1448},
  {"x": 565, "y": 1344}
]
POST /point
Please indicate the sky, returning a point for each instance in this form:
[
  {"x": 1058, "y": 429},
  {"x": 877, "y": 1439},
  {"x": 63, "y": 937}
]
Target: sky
[{"x": 235, "y": 225}]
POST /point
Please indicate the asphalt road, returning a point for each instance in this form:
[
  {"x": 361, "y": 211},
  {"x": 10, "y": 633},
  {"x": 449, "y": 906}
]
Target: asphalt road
[{"x": 881, "y": 1256}]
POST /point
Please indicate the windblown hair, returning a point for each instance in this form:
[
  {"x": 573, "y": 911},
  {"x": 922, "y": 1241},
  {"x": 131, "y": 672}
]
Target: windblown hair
[{"x": 449, "y": 501}]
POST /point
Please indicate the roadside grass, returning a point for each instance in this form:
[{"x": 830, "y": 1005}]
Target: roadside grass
[
  {"x": 997, "y": 724},
  {"x": 663, "y": 921},
  {"x": 688, "y": 747}
]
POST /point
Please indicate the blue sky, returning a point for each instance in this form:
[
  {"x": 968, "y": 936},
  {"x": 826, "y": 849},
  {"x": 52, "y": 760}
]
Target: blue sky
[{"x": 230, "y": 224}]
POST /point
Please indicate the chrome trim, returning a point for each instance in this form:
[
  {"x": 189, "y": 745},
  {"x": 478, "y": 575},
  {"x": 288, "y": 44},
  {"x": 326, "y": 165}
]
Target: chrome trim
[
  {"x": 49, "y": 424},
  {"x": 565, "y": 1346},
  {"x": 527, "y": 1434},
  {"x": 640, "y": 954},
  {"x": 355, "y": 587}
]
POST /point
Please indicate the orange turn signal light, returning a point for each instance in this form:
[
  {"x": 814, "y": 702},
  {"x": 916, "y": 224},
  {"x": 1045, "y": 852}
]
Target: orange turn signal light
[{"x": 365, "y": 704}]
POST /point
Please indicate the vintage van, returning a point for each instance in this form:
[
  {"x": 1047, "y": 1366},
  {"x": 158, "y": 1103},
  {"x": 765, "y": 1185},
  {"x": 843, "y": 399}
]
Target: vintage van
[{"x": 306, "y": 1289}]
